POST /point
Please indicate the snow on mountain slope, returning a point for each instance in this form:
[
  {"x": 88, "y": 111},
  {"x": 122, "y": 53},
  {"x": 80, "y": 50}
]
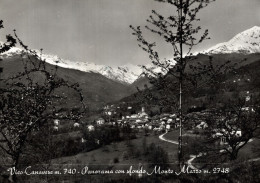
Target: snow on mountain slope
[
  {"x": 245, "y": 42},
  {"x": 124, "y": 74},
  {"x": 11, "y": 52}
]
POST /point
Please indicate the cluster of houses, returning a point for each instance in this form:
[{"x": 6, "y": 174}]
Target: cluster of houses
[
  {"x": 56, "y": 125},
  {"x": 166, "y": 122},
  {"x": 220, "y": 133},
  {"x": 163, "y": 122},
  {"x": 223, "y": 134},
  {"x": 142, "y": 121}
]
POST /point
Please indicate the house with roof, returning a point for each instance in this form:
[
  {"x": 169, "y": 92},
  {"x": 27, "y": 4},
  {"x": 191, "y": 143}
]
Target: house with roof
[
  {"x": 100, "y": 121},
  {"x": 224, "y": 134},
  {"x": 91, "y": 128}
]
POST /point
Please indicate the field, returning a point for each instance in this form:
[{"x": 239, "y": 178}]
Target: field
[{"x": 116, "y": 157}]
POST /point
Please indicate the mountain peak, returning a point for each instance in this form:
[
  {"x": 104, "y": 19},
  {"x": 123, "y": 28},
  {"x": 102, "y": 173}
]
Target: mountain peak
[{"x": 245, "y": 42}]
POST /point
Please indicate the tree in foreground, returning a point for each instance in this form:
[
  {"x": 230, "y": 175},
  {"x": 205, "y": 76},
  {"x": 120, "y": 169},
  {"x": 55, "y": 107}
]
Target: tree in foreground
[
  {"x": 31, "y": 99},
  {"x": 236, "y": 123},
  {"x": 179, "y": 30}
]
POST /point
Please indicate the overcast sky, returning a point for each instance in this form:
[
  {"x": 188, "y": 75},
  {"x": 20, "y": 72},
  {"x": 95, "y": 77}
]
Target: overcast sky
[{"x": 98, "y": 30}]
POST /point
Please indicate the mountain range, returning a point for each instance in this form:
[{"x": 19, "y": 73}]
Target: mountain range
[
  {"x": 246, "y": 42},
  {"x": 125, "y": 74},
  {"x": 96, "y": 88},
  {"x": 102, "y": 84}
]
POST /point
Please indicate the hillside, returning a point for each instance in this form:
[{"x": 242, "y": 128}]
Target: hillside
[
  {"x": 96, "y": 88},
  {"x": 125, "y": 74},
  {"x": 163, "y": 96},
  {"x": 141, "y": 83}
]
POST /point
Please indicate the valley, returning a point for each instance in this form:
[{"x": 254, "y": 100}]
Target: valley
[{"x": 131, "y": 120}]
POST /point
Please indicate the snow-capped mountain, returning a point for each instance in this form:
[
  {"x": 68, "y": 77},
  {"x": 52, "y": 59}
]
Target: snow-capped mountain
[
  {"x": 124, "y": 74},
  {"x": 245, "y": 42}
]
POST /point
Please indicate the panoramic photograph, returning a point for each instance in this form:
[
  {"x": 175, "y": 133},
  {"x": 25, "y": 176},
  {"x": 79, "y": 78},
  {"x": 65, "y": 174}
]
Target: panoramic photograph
[{"x": 129, "y": 91}]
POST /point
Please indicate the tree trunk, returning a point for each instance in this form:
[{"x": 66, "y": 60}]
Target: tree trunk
[
  {"x": 14, "y": 178},
  {"x": 180, "y": 90},
  {"x": 233, "y": 155}
]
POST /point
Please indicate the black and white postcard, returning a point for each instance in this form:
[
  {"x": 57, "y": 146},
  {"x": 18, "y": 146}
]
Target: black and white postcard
[{"x": 133, "y": 91}]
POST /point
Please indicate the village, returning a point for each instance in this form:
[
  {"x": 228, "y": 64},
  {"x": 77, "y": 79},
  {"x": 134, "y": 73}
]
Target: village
[
  {"x": 141, "y": 120},
  {"x": 165, "y": 122}
]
